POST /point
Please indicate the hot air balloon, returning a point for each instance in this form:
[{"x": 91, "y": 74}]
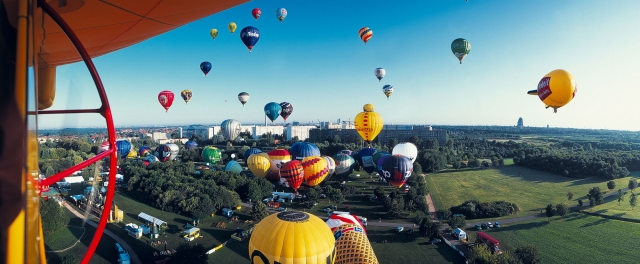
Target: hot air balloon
[
  {"x": 406, "y": 149},
  {"x": 205, "y": 67},
  {"x": 123, "y": 147},
  {"x": 368, "y": 123},
  {"x": 174, "y": 149},
  {"x": 186, "y": 95},
  {"x": 365, "y": 34},
  {"x": 331, "y": 165},
  {"x": 256, "y": 13},
  {"x": 132, "y": 154},
  {"x": 144, "y": 151},
  {"x": 211, "y": 154},
  {"x": 376, "y": 156},
  {"x": 272, "y": 110},
  {"x": 230, "y": 128},
  {"x": 191, "y": 145},
  {"x": 397, "y": 169},
  {"x": 151, "y": 159},
  {"x": 166, "y": 99},
  {"x": 292, "y": 174},
  {"x": 316, "y": 170},
  {"x": 556, "y": 89},
  {"x": 259, "y": 164},
  {"x": 387, "y": 90},
  {"x": 243, "y": 98},
  {"x": 379, "y": 163},
  {"x": 301, "y": 238},
  {"x": 287, "y": 109},
  {"x": 460, "y": 48},
  {"x": 232, "y": 27},
  {"x": 250, "y": 36},
  {"x": 344, "y": 164},
  {"x": 277, "y": 157},
  {"x": 281, "y": 14},
  {"x": 379, "y": 72},
  {"x": 336, "y": 220},
  {"x": 251, "y": 151},
  {"x": 162, "y": 152},
  {"x": 233, "y": 167},
  {"x": 301, "y": 150},
  {"x": 214, "y": 33},
  {"x": 365, "y": 158},
  {"x": 353, "y": 246},
  {"x": 103, "y": 147}
]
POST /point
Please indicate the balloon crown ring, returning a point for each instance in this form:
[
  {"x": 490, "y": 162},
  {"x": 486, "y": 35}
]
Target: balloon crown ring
[{"x": 293, "y": 216}]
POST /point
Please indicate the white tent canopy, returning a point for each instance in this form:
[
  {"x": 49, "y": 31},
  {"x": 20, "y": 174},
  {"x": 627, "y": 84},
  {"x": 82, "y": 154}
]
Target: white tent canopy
[
  {"x": 151, "y": 218},
  {"x": 73, "y": 179}
]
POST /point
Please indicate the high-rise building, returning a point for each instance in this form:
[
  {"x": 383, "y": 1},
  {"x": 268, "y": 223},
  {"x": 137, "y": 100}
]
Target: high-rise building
[{"x": 520, "y": 123}]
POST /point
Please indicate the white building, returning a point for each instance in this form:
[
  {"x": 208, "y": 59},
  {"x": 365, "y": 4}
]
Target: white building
[
  {"x": 258, "y": 131},
  {"x": 201, "y": 131},
  {"x": 302, "y": 132}
]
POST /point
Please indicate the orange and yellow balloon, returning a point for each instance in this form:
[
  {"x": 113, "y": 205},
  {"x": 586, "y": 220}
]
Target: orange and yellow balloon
[
  {"x": 556, "y": 89},
  {"x": 368, "y": 123},
  {"x": 259, "y": 164},
  {"x": 316, "y": 170}
]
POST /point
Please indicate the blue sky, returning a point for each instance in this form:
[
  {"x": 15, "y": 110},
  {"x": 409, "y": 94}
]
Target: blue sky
[{"x": 316, "y": 61}]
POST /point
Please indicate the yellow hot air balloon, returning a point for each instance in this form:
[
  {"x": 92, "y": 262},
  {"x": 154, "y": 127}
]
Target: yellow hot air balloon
[
  {"x": 291, "y": 238},
  {"x": 368, "y": 123},
  {"x": 259, "y": 164},
  {"x": 214, "y": 33},
  {"x": 316, "y": 169},
  {"x": 353, "y": 245},
  {"x": 132, "y": 154},
  {"x": 556, "y": 89},
  {"x": 232, "y": 27}
]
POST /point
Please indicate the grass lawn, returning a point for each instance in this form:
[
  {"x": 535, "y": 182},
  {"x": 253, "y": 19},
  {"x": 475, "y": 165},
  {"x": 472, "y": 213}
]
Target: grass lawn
[
  {"x": 531, "y": 192},
  {"x": 105, "y": 252},
  {"x": 403, "y": 248},
  {"x": 577, "y": 238}
]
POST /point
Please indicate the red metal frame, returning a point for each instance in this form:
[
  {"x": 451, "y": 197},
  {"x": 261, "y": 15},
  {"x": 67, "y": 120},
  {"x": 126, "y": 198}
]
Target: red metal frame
[{"x": 105, "y": 111}]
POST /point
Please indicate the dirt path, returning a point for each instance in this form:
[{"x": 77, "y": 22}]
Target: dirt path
[
  {"x": 132, "y": 254},
  {"x": 74, "y": 244}
]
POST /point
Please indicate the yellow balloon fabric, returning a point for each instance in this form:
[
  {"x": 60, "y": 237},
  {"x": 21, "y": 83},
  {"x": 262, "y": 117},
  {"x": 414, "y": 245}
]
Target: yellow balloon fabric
[
  {"x": 259, "y": 164},
  {"x": 316, "y": 169},
  {"x": 232, "y": 27},
  {"x": 132, "y": 154},
  {"x": 292, "y": 238},
  {"x": 352, "y": 246},
  {"x": 557, "y": 88},
  {"x": 368, "y": 123},
  {"x": 214, "y": 33}
]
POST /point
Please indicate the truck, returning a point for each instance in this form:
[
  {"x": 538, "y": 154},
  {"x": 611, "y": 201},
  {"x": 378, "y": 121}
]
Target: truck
[{"x": 492, "y": 243}]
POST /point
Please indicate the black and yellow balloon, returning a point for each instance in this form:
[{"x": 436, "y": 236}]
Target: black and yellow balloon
[
  {"x": 368, "y": 123},
  {"x": 292, "y": 238},
  {"x": 556, "y": 89}
]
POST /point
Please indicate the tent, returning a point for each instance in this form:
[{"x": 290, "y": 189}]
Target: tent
[
  {"x": 459, "y": 234},
  {"x": 151, "y": 219},
  {"x": 73, "y": 179}
]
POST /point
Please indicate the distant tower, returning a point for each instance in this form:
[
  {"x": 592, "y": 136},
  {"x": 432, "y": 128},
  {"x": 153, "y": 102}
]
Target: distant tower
[
  {"x": 180, "y": 132},
  {"x": 520, "y": 123}
]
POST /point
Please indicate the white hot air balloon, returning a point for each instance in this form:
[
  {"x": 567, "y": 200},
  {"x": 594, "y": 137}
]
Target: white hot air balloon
[
  {"x": 243, "y": 98},
  {"x": 231, "y": 128},
  {"x": 406, "y": 149},
  {"x": 380, "y": 72},
  {"x": 173, "y": 150}
]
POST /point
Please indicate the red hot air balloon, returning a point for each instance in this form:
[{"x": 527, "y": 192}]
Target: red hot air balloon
[
  {"x": 256, "y": 13},
  {"x": 292, "y": 174},
  {"x": 166, "y": 99}
]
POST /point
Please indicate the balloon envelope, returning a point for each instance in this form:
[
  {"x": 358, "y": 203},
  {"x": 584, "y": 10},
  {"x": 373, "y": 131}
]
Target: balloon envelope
[
  {"x": 213, "y": 33},
  {"x": 365, "y": 158},
  {"x": 557, "y": 89},
  {"x": 397, "y": 169},
  {"x": 174, "y": 151},
  {"x": 281, "y": 14},
  {"x": 292, "y": 174},
  {"x": 230, "y": 128},
  {"x": 368, "y": 123},
  {"x": 344, "y": 163},
  {"x": 406, "y": 149},
  {"x": 272, "y": 110},
  {"x": 287, "y": 109},
  {"x": 301, "y": 238},
  {"x": 256, "y": 13},
  {"x": 243, "y": 98},
  {"x": 250, "y": 152},
  {"x": 233, "y": 167},
  {"x": 332, "y": 166},
  {"x": 205, "y": 67},
  {"x": 250, "y": 36},
  {"x": 301, "y": 150},
  {"x": 387, "y": 90},
  {"x": 166, "y": 99},
  {"x": 259, "y": 164},
  {"x": 191, "y": 145},
  {"x": 379, "y": 163},
  {"x": 316, "y": 170},
  {"x": 232, "y": 27},
  {"x": 365, "y": 34},
  {"x": 162, "y": 152},
  {"x": 277, "y": 157},
  {"x": 123, "y": 147},
  {"x": 211, "y": 154},
  {"x": 353, "y": 246},
  {"x": 379, "y": 72},
  {"x": 144, "y": 151},
  {"x": 460, "y": 48},
  {"x": 376, "y": 156},
  {"x": 186, "y": 95},
  {"x": 132, "y": 154}
]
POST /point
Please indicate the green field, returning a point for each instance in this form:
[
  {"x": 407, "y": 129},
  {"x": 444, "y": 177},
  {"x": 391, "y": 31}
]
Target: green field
[
  {"x": 403, "y": 248},
  {"x": 531, "y": 192},
  {"x": 576, "y": 238}
]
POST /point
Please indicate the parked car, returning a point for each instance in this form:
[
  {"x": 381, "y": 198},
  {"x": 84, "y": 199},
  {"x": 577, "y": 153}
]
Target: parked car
[
  {"x": 399, "y": 229},
  {"x": 496, "y": 225},
  {"x": 484, "y": 226},
  {"x": 489, "y": 224},
  {"x": 328, "y": 210},
  {"x": 478, "y": 227},
  {"x": 435, "y": 240}
]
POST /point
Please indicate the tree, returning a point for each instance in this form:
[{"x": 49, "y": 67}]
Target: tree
[
  {"x": 611, "y": 185},
  {"x": 379, "y": 192},
  {"x": 48, "y": 172},
  {"x": 550, "y": 211},
  {"x": 394, "y": 205},
  {"x": 393, "y": 142},
  {"x": 632, "y": 184},
  {"x": 528, "y": 254},
  {"x": 569, "y": 196},
  {"x": 429, "y": 228},
  {"x": 633, "y": 201},
  {"x": 53, "y": 216},
  {"x": 417, "y": 168},
  {"x": 336, "y": 138},
  {"x": 472, "y": 163},
  {"x": 561, "y": 209},
  {"x": 188, "y": 254},
  {"x": 335, "y": 195},
  {"x": 480, "y": 254},
  {"x": 259, "y": 211},
  {"x": 311, "y": 197},
  {"x": 457, "y": 221},
  {"x": 254, "y": 192},
  {"x": 580, "y": 202},
  {"x": 621, "y": 196},
  {"x": 595, "y": 196}
]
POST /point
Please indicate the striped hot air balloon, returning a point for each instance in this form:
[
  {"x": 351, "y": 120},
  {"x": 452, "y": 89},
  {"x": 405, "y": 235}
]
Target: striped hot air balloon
[
  {"x": 292, "y": 174},
  {"x": 365, "y": 34},
  {"x": 332, "y": 166},
  {"x": 144, "y": 151},
  {"x": 316, "y": 170},
  {"x": 352, "y": 245}
]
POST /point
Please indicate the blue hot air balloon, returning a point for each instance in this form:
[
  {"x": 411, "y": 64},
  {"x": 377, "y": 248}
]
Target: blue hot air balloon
[
  {"x": 397, "y": 169},
  {"x": 281, "y": 14},
  {"x": 250, "y": 36},
  {"x": 205, "y": 67},
  {"x": 123, "y": 147},
  {"x": 191, "y": 145},
  {"x": 251, "y": 151},
  {"x": 272, "y": 110},
  {"x": 365, "y": 158},
  {"x": 233, "y": 166},
  {"x": 380, "y": 162},
  {"x": 301, "y": 150}
]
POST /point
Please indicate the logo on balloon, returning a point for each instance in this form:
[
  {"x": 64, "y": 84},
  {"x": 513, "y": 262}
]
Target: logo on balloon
[
  {"x": 250, "y": 34},
  {"x": 543, "y": 88},
  {"x": 163, "y": 99}
]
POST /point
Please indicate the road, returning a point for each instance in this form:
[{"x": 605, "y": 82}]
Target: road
[{"x": 132, "y": 254}]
